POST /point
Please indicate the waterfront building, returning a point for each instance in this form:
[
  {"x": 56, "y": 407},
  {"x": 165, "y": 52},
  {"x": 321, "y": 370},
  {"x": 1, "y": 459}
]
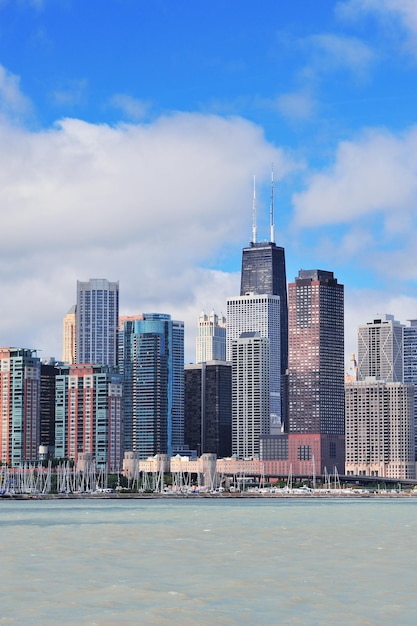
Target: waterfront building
[
  {"x": 260, "y": 313},
  {"x": 211, "y": 338},
  {"x": 208, "y": 407},
  {"x": 88, "y": 414},
  {"x": 20, "y": 374},
  {"x": 154, "y": 385},
  {"x": 263, "y": 273},
  {"x": 69, "y": 336},
  {"x": 250, "y": 393},
  {"x": 97, "y": 320},
  {"x": 49, "y": 371},
  {"x": 315, "y": 370},
  {"x": 380, "y": 429},
  {"x": 410, "y": 365},
  {"x": 380, "y": 349}
]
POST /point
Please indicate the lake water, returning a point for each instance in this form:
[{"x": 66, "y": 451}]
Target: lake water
[{"x": 209, "y": 561}]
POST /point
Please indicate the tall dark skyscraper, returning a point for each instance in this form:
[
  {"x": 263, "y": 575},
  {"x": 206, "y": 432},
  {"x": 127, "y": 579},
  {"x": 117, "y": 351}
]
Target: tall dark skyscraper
[
  {"x": 208, "y": 408},
  {"x": 315, "y": 367},
  {"x": 263, "y": 272}
]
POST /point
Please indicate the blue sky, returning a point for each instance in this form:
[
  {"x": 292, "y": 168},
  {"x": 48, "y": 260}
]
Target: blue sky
[{"x": 130, "y": 133}]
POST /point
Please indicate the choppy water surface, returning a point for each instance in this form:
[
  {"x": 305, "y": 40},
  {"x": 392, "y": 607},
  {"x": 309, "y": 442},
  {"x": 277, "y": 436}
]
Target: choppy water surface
[{"x": 159, "y": 562}]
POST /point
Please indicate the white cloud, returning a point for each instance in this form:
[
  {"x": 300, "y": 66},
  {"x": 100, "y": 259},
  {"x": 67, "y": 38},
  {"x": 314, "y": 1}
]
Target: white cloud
[
  {"x": 334, "y": 52},
  {"x": 72, "y": 94},
  {"x": 133, "y": 108},
  {"x": 13, "y": 102},
  {"x": 377, "y": 173},
  {"x": 296, "y": 106},
  {"x": 391, "y": 13},
  {"x": 148, "y": 205},
  {"x": 362, "y": 211},
  {"x": 361, "y": 305}
]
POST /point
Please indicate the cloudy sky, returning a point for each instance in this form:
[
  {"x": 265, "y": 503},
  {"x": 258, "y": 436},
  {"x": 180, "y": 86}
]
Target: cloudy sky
[{"x": 130, "y": 132}]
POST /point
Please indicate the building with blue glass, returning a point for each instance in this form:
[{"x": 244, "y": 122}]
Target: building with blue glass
[{"x": 153, "y": 372}]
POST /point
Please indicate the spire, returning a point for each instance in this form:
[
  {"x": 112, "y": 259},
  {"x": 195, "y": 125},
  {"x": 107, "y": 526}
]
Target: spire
[
  {"x": 272, "y": 207},
  {"x": 254, "y": 211}
]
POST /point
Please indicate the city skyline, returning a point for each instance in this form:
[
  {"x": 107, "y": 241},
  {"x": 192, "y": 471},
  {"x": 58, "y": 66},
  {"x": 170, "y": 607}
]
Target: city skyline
[{"x": 130, "y": 142}]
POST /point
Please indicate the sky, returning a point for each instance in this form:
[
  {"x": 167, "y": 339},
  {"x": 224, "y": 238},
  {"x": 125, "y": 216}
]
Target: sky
[{"x": 131, "y": 132}]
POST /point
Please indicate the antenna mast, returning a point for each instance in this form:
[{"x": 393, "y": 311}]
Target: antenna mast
[
  {"x": 272, "y": 207},
  {"x": 254, "y": 211}
]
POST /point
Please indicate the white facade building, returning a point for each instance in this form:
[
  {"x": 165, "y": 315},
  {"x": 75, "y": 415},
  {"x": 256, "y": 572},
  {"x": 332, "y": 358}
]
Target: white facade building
[
  {"x": 259, "y": 313},
  {"x": 211, "y": 338},
  {"x": 379, "y": 429},
  {"x": 380, "y": 349},
  {"x": 250, "y": 393}
]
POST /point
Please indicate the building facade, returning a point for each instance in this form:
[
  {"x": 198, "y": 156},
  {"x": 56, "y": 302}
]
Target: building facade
[
  {"x": 88, "y": 414},
  {"x": 315, "y": 367},
  {"x": 264, "y": 272},
  {"x": 250, "y": 393},
  {"x": 97, "y": 322},
  {"x": 380, "y": 349},
  {"x": 154, "y": 385},
  {"x": 211, "y": 338},
  {"x": 260, "y": 313},
  {"x": 20, "y": 375},
  {"x": 69, "y": 335},
  {"x": 410, "y": 366},
  {"x": 208, "y": 408},
  {"x": 380, "y": 429}
]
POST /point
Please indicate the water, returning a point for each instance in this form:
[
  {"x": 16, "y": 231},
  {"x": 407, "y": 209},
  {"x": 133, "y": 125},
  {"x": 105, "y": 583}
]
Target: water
[{"x": 156, "y": 562}]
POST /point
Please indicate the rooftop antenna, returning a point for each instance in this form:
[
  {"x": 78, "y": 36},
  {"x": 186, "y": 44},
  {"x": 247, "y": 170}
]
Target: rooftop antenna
[
  {"x": 254, "y": 211},
  {"x": 272, "y": 206}
]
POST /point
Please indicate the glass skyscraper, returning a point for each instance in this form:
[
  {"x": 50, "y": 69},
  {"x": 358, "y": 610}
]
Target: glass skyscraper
[
  {"x": 264, "y": 273},
  {"x": 153, "y": 385},
  {"x": 97, "y": 321}
]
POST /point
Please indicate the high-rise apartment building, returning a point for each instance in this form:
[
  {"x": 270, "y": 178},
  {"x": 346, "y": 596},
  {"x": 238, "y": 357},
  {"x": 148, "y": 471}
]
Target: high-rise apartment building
[
  {"x": 380, "y": 349},
  {"x": 250, "y": 393},
  {"x": 88, "y": 414},
  {"x": 410, "y": 365},
  {"x": 315, "y": 366},
  {"x": 211, "y": 338},
  {"x": 380, "y": 429},
  {"x": 69, "y": 336},
  {"x": 20, "y": 374},
  {"x": 208, "y": 408},
  {"x": 154, "y": 385},
  {"x": 97, "y": 322},
  {"x": 260, "y": 313}
]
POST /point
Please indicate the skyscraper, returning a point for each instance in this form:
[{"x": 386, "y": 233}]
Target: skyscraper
[
  {"x": 154, "y": 385},
  {"x": 20, "y": 373},
  {"x": 208, "y": 408},
  {"x": 97, "y": 319},
  {"x": 88, "y": 414},
  {"x": 264, "y": 273},
  {"x": 410, "y": 365},
  {"x": 260, "y": 313},
  {"x": 315, "y": 365},
  {"x": 250, "y": 393},
  {"x": 69, "y": 336},
  {"x": 379, "y": 429},
  {"x": 380, "y": 349},
  {"x": 211, "y": 338}
]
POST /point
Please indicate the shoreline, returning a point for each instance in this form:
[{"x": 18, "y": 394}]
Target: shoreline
[{"x": 338, "y": 494}]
